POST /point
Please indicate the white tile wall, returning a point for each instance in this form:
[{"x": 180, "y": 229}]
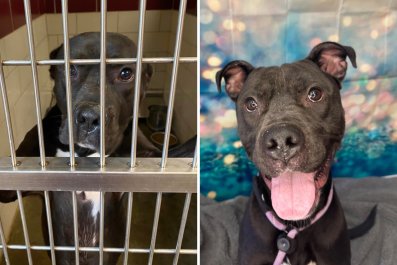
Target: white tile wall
[{"x": 18, "y": 85}]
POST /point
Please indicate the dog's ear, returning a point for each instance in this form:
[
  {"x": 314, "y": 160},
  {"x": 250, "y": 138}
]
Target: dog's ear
[
  {"x": 148, "y": 71},
  {"x": 235, "y": 73},
  {"x": 53, "y": 55},
  {"x": 331, "y": 58}
]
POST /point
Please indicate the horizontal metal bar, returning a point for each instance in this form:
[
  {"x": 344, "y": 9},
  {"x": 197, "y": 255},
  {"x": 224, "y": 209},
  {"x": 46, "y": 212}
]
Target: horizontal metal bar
[
  {"x": 97, "y": 61},
  {"x": 96, "y": 249},
  {"x": 117, "y": 176}
]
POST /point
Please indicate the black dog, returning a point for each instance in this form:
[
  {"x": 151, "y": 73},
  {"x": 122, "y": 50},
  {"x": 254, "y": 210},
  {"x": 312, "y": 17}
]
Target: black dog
[
  {"x": 291, "y": 123},
  {"x": 120, "y": 82}
]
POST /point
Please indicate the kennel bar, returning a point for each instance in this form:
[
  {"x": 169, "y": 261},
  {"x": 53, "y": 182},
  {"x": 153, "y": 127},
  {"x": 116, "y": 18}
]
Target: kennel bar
[
  {"x": 75, "y": 227},
  {"x": 49, "y": 224},
  {"x": 155, "y": 226},
  {"x": 4, "y": 244},
  {"x": 6, "y": 108},
  {"x": 106, "y": 250},
  {"x": 174, "y": 74},
  {"x": 97, "y": 61},
  {"x": 195, "y": 157},
  {"x": 117, "y": 176},
  {"x": 138, "y": 70},
  {"x": 66, "y": 52},
  {"x": 182, "y": 228},
  {"x": 101, "y": 226},
  {"x": 128, "y": 229},
  {"x": 24, "y": 227},
  {"x": 32, "y": 55},
  {"x": 102, "y": 86}
]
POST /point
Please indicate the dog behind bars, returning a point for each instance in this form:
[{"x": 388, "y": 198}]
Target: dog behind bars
[{"x": 119, "y": 89}]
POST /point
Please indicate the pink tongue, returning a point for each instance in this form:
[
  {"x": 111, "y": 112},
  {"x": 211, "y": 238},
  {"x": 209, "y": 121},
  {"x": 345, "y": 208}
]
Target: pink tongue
[{"x": 293, "y": 195}]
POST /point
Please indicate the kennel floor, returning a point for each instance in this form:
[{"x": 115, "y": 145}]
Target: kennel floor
[{"x": 141, "y": 229}]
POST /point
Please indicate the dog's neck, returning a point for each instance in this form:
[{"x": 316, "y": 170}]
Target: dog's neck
[{"x": 288, "y": 230}]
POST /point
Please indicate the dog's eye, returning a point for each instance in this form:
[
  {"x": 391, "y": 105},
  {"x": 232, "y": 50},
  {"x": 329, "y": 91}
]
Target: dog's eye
[
  {"x": 250, "y": 104},
  {"x": 73, "y": 71},
  {"x": 126, "y": 74},
  {"x": 315, "y": 94}
]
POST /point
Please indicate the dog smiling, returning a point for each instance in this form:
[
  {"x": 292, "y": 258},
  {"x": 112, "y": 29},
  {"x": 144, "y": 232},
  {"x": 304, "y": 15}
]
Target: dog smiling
[{"x": 291, "y": 123}]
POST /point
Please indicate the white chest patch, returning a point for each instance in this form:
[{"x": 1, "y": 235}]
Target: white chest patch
[
  {"x": 93, "y": 196},
  {"x": 96, "y": 154},
  {"x": 61, "y": 153}
]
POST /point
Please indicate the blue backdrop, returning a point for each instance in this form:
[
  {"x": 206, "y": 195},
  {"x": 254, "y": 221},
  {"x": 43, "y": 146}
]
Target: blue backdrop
[{"x": 272, "y": 32}]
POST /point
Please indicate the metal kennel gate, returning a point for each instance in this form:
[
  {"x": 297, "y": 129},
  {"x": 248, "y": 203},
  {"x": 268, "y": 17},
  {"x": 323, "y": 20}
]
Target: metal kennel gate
[{"x": 174, "y": 175}]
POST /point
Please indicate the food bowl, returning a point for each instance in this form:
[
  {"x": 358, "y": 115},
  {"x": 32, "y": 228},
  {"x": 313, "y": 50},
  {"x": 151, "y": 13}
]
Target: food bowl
[{"x": 158, "y": 139}]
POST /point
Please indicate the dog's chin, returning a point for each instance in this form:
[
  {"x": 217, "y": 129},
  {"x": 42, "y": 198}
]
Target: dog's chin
[
  {"x": 296, "y": 195},
  {"x": 93, "y": 143}
]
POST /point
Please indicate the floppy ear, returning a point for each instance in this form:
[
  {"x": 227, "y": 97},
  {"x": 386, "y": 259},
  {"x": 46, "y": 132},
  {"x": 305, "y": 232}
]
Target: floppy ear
[
  {"x": 53, "y": 55},
  {"x": 235, "y": 73},
  {"x": 147, "y": 73},
  {"x": 148, "y": 70},
  {"x": 331, "y": 58}
]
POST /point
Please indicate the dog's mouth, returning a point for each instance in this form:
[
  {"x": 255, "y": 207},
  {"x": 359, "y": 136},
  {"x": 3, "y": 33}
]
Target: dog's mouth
[{"x": 296, "y": 195}]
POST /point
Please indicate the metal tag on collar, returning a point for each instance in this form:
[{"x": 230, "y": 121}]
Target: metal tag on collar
[{"x": 285, "y": 243}]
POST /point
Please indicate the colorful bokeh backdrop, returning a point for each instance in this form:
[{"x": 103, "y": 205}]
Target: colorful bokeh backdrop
[{"x": 273, "y": 32}]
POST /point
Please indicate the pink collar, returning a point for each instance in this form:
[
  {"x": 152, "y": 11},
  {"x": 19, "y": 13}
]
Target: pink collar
[{"x": 292, "y": 233}]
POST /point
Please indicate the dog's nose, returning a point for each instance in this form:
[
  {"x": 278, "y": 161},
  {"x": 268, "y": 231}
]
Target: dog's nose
[
  {"x": 282, "y": 142},
  {"x": 88, "y": 119}
]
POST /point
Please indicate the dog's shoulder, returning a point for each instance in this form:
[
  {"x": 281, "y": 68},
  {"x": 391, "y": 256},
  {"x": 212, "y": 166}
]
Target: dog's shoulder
[{"x": 30, "y": 144}]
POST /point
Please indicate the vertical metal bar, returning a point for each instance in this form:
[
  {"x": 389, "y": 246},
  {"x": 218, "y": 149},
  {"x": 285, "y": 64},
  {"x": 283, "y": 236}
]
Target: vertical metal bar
[
  {"x": 138, "y": 75},
  {"x": 182, "y": 228},
  {"x": 66, "y": 53},
  {"x": 75, "y": 227},
  {"x": 101, "y": 227},
  {"x": 4, "y": 244},
  {"x": 155, "y": 225},
  {"x": 49, "y": 226},
  {"x": 35, "y": 81},
  {"x": 196, "y": 153},
  {"x": 178, "y": 42},
  {"x": 103, "y": 82},
  {"x": 25, "y": 227},
  {"x": 128, "y": 228},
  {"x": 7, "y": 116}
]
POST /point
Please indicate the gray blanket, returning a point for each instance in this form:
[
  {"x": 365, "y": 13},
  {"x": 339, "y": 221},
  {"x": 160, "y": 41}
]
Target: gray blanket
[{"x": 220, "y": 223}]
